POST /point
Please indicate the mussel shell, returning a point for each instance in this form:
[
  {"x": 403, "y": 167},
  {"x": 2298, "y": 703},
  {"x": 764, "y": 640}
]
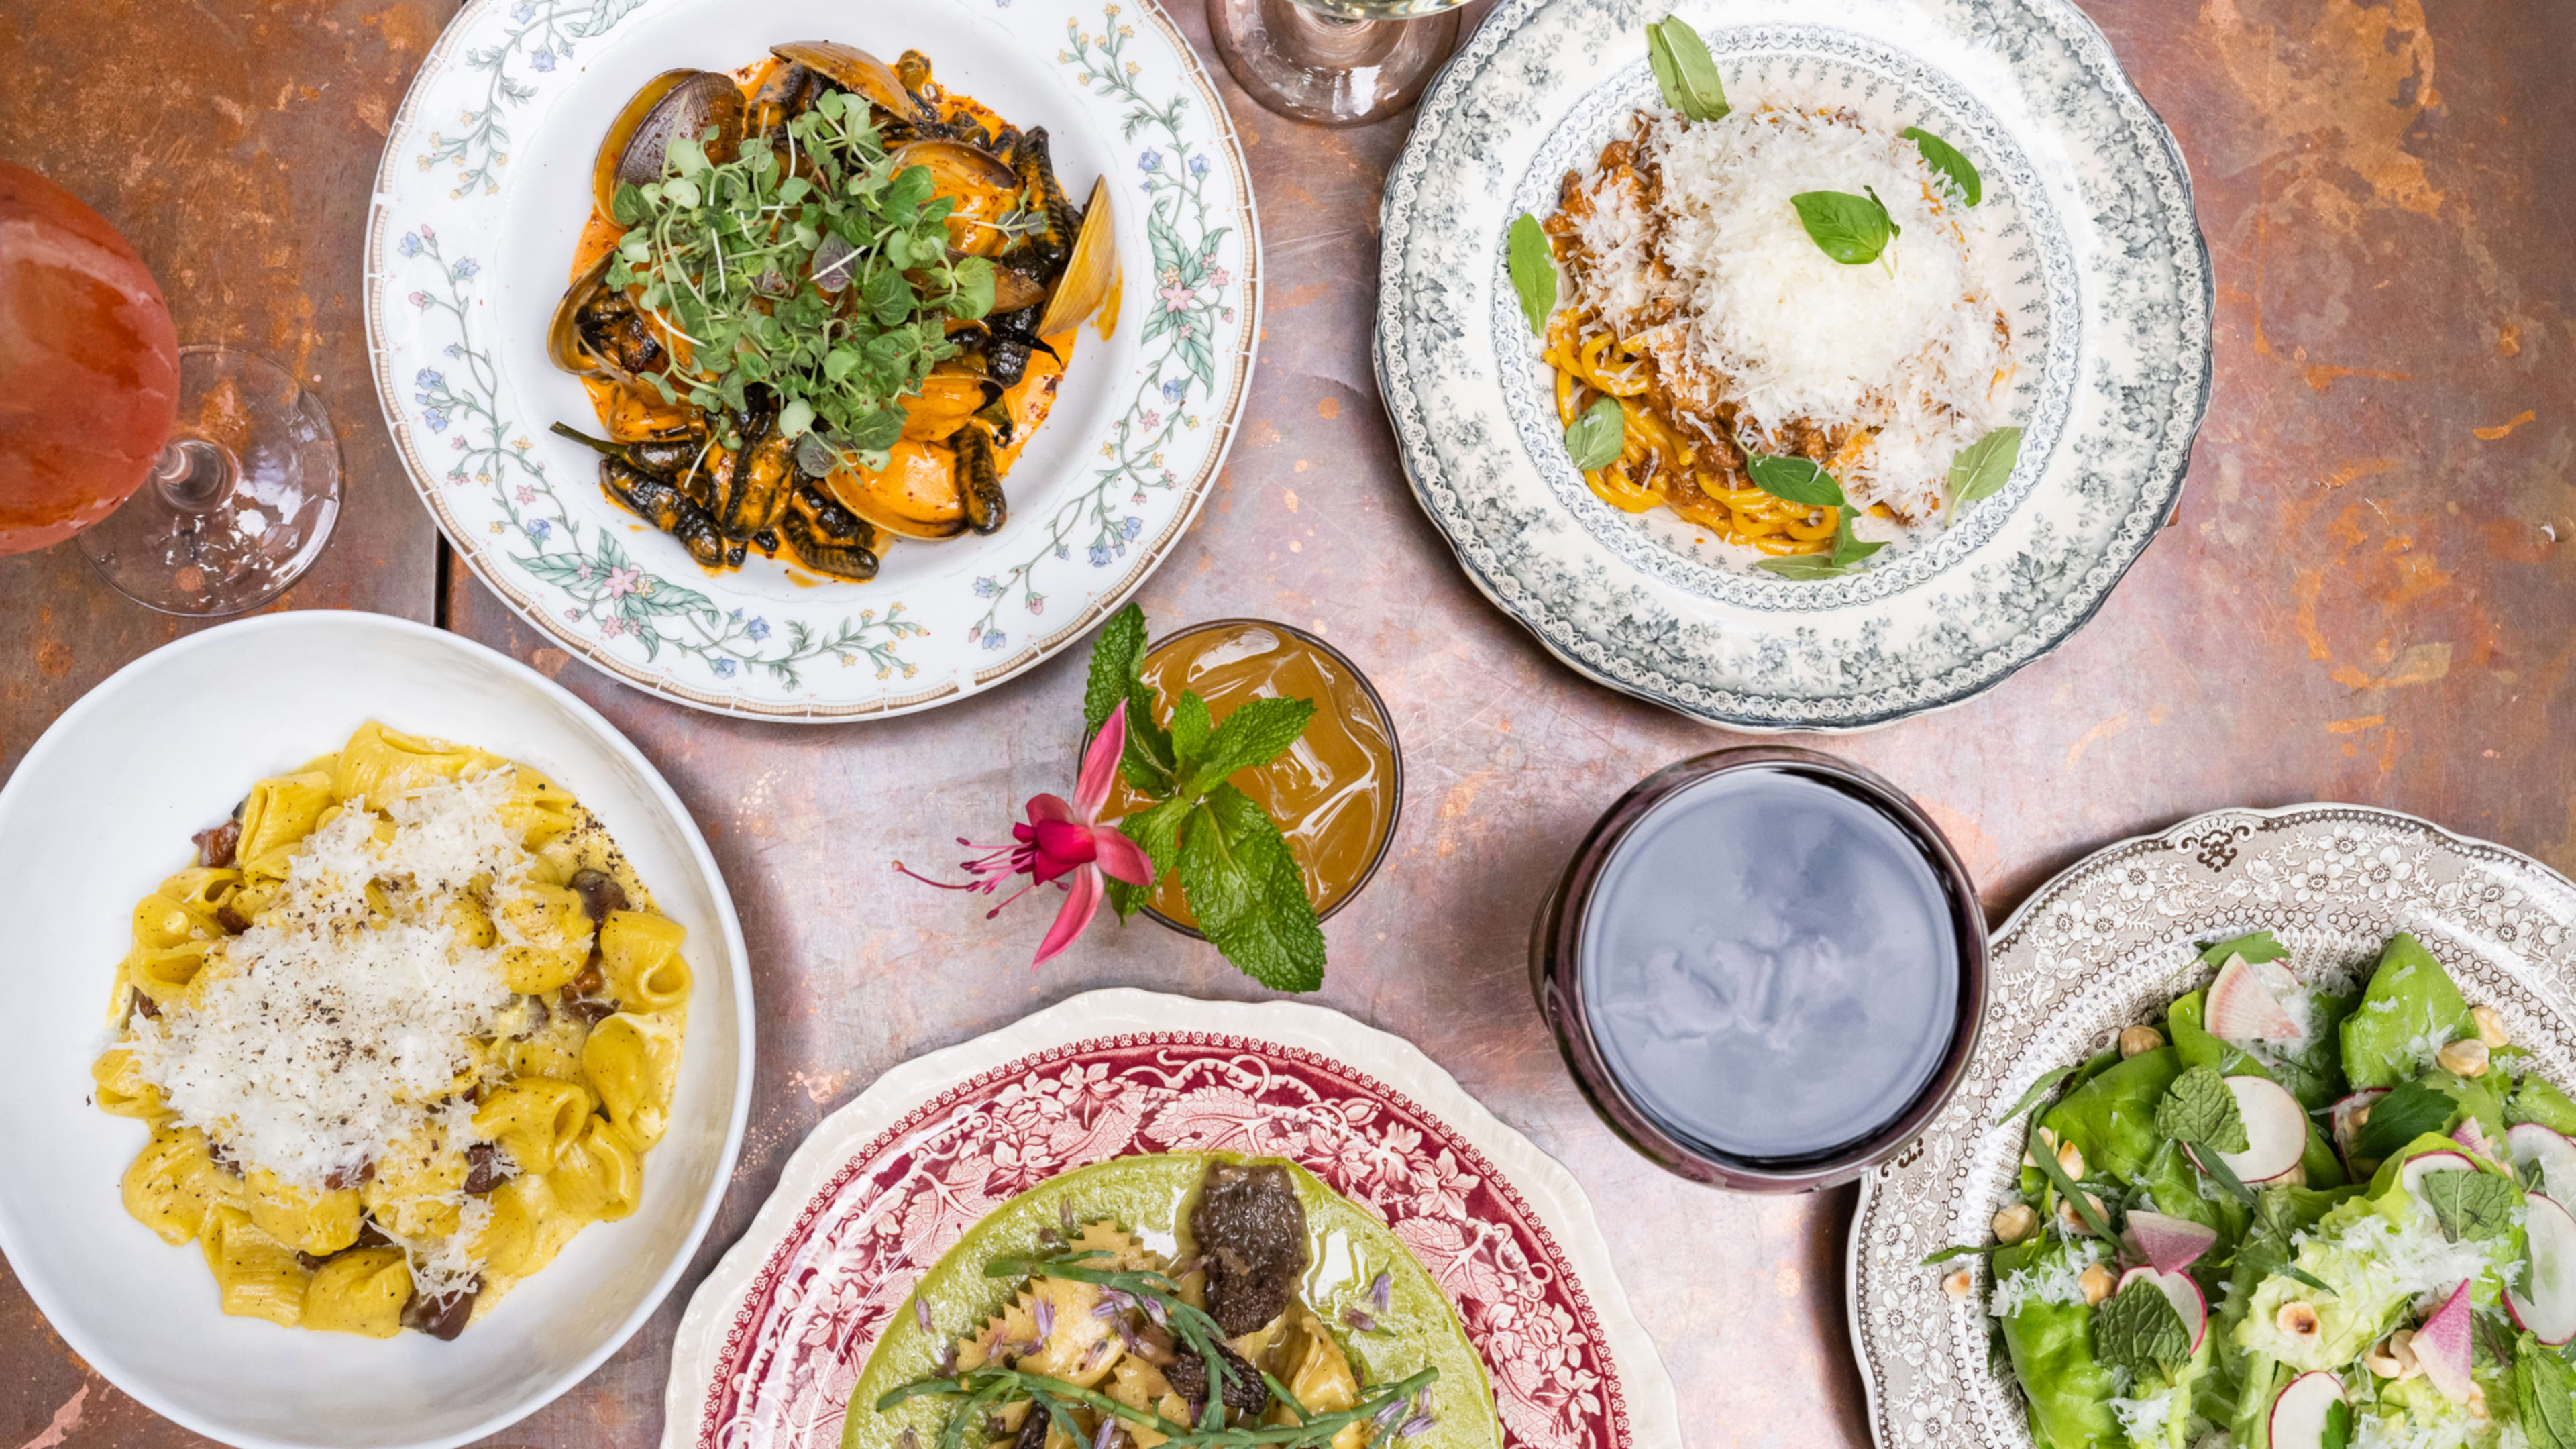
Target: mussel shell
[
  {"x": 958, "y": 165},
  {"x": 1015, "y": 290},
  {"x": 979, "y": 479},
  {"x": 672, "y": 104},
  {"x": 1090, "y": 272},
  {"x": 856, "y": 71},
  {"x": 565, "y": 346}
]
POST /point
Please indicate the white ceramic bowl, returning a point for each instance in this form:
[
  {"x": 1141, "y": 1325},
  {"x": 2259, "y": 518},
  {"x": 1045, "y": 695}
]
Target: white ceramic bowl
[{"x": 98, "y": 813}]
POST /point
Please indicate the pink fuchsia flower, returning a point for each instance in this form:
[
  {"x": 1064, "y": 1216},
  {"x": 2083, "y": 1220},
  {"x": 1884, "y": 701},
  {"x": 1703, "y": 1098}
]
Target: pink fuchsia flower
[{"x": 1063, "y": 843}]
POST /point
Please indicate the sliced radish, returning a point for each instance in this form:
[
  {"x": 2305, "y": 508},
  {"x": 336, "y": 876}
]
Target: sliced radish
[
  {"x": 2299, "y": 1414},
  {"x": 2243, "y": 1009},
  {"x": 2344, "y": 1119},
  {"x": 2276, "y": 1129},
  {"x": 2549, "y": 1314},
  {"x": 2442, "y": 1345},
  {"x": 2530, "y": 1142},
  {"x": 2419, "y": 1167},
  {"x": 2473, "y": 1137},
  {"x": 2169, "y": 1245},
  {"x": 2189, "y": 1303}
]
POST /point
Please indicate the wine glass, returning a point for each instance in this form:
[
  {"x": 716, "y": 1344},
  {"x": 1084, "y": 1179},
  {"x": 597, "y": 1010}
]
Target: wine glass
[
  {"x": 199, "y": 480},
  {"x": 1334, "y": 62}
]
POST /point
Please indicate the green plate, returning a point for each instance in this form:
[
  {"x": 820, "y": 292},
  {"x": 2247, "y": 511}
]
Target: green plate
[{"x": 1150, "y": 1196}]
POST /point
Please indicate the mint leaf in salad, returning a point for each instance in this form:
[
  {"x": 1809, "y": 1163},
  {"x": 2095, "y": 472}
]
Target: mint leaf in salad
[
  {"x": 2410, "y": 1110},
  {"x": 2198, "y": 1108},
  {"x": 2138, "y": 1329},
  {"x": 2544, "y": 1387},
  {"x": 2469, "y": 1204}
]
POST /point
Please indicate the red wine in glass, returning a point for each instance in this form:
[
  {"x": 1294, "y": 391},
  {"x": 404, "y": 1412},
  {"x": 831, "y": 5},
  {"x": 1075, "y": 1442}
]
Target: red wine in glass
[{"x": 199, "y": 480}]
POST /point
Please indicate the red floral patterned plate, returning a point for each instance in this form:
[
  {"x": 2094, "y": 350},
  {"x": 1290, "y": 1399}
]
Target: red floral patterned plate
[{"x": 777, "y": 1334}]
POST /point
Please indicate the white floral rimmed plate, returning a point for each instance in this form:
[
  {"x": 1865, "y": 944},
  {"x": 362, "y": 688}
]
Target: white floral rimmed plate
[
  {"x": 2111, "y": 942},
  {"x": 2107, "y": 281},
  {"x": 480, "y": 197},
  {"x": 777, "y": 1334}
]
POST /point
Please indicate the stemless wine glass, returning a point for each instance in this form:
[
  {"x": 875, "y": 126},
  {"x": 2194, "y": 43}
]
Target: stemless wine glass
[
  {"x": 199, "y": 480},
  {"x": 1334, "y": 62}
]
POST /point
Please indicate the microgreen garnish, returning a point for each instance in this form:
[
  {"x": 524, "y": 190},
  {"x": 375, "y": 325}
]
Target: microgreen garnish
[
  {"x": 1980, "y": 471},
  {"x": 1533, "y": 267},
  {"x": 1596, "y": 437},
  {"x": 822, "y": 270},
  {"x": 1241, "y": 883},
  {"x": 1852, "y": 230},
  {"x": 1683, "y": 70},
  {"x": 1945, "y": 158}
]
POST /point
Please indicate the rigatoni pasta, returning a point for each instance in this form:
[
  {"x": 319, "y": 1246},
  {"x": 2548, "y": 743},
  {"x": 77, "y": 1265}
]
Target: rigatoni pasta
[{"x": 405, "y": 1028}]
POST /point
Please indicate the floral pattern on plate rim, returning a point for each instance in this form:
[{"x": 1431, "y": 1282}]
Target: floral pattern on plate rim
[
  {"x": 2110, "y": 942},
  {"x": 556, "y": 557},
  {"x": 794, "y": 1343},
  {"x": 1872, "y": 647}
]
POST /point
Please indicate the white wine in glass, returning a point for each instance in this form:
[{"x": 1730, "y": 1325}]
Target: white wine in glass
[{"x": 1334, "y": 62}]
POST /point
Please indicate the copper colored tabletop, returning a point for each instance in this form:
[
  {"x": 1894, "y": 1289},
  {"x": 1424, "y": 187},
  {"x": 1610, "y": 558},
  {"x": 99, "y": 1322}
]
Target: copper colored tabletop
[{"x": 2365, "y": 595}]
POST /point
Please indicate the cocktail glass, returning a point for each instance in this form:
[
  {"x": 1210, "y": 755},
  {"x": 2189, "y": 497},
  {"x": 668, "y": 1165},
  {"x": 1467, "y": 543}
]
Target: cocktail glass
[{"x": 1334, "y": 62}]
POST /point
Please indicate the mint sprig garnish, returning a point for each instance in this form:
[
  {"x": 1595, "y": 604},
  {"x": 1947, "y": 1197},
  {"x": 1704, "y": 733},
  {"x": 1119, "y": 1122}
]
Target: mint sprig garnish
[
  {"x": 1237, "y": 875},
  {"x": 2198, "y": 1108},
  {"x": 2138, "y": 1329}
]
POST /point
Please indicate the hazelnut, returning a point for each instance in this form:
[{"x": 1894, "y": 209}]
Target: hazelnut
[
  {"x": 2478, "y": 1402},
  {"x": 2045, "y": 1136},
  {"x": 2361, "y": 1116},
  {"x": 2136, "y": 1039},
  {"x": 2401, "y": 1351},
  {"x": 2298, "y": 1319},
  {"x": 2490, "y": 1026},
  {"x": 2073, "y": 1217},
  {"x": 1959, "y": 1284},
  {"x": 2466, "y": 1058},
  {"x": 2015, "y": 1223},
  {"x": 2070, "y": 1158},
  {"x": 2297, "y": 1176},
  {"x": 2096, "y": 1283}
]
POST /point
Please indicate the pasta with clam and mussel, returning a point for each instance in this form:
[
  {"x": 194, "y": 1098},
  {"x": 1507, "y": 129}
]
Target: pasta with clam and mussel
[{"x": 823, "y": 302}]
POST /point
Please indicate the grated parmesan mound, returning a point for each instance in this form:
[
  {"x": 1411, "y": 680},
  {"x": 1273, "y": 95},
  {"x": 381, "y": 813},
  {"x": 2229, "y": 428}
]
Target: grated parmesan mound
[
  {"x": 2144, "y": 1418},
  {"x": 324, "y": 1032},
  {"x": 2412, "y": 1261},
  {"x": 1725, "y": 288}
]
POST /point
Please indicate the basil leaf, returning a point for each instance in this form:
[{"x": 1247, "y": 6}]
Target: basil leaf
[
  {"x": 1595, "y": 438},
  {"x": 1848, "y": 549},
  {"x": 1803, "y": 566},
  {"x": 2038, "y": 1092},
  {"x": 1255, "y": 734},
  {"x": 2468, "y": 1204},
  {"x": 1943, "y": 157},
  {"x": 1798, "y": 480},
  {"x": 1533, "y": 267},
  {"x": 1249, "y": 895},
  {"x": 2410, "y": 1110},
  {"x": 1852, "y": 230},
  {"x": 1981, "y": 470},
  {"x": 2138, "y": 1329},
  {"x": 2199, "y": 1108},
  {"x": 1683, "y": 70},
  {"x": 2258, "y": 946}
]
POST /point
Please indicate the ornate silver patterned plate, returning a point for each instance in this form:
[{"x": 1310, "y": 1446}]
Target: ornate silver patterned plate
[
  {"x": 2104, "y": 274},
  {"x": 478, "y": 202},
  {"x": 2111, "y": 942}
]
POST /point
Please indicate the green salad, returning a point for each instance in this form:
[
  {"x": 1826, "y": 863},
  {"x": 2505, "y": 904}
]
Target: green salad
[{"x": 2293, "y": 1214}]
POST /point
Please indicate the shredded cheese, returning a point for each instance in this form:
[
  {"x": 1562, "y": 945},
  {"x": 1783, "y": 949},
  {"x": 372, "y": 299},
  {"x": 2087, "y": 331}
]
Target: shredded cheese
[
  {"x": 1729, "y": 289},
  {"x": 338, "y": 1022},
  {"x": 2058, "y": 1280}
]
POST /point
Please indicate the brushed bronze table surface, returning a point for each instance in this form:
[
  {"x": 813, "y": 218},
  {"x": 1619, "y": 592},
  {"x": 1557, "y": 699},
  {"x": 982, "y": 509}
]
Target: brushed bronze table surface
[{"x": 2365, "y": 595}]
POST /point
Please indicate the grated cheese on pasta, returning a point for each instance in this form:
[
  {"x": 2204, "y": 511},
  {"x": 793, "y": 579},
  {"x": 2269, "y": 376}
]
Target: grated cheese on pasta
[
  {"x": 1907, "y": 347},
  {"x": 320, "y": 1035}
]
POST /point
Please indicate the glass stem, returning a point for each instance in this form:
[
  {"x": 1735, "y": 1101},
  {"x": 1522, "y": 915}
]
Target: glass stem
[{"x": 193, "y": 475}]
